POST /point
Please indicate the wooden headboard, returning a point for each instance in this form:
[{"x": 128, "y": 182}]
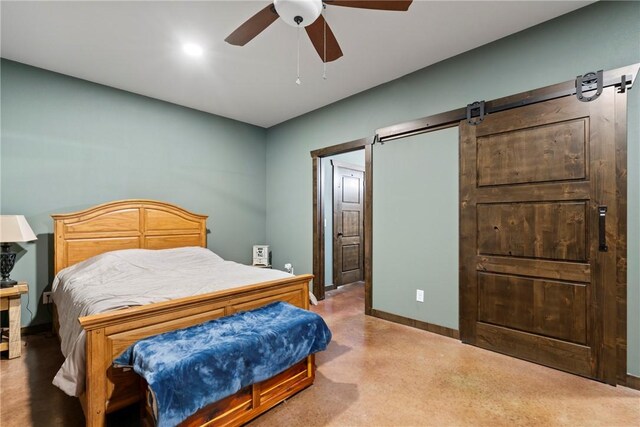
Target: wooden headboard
[{"x": 124, "y": 224}]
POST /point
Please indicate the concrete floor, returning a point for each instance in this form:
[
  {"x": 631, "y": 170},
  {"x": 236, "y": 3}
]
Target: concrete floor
[{"x": 374, "y": 373}]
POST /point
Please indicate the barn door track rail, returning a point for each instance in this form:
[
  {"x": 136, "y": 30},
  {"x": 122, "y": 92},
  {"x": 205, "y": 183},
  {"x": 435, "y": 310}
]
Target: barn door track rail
[{"x": 474, "y": 113}]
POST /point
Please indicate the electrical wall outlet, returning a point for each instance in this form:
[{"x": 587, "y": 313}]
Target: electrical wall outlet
[
  {"x": 46, "y": 298},
  {"x": 419, "y": 295}
]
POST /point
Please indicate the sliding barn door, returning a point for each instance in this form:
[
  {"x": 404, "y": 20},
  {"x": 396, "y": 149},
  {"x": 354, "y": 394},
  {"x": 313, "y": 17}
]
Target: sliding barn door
[{"x": 536, "y": 281}]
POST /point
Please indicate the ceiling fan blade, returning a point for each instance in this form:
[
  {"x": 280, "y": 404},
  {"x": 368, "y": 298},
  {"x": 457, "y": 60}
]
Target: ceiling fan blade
[
  {"x": 253, "y": 26},
  {"x": 398, "y": 5},
  {"x": 316, "y": 33}
]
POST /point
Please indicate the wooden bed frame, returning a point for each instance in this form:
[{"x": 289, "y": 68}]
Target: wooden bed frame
[{"x": 130, "y": 224}]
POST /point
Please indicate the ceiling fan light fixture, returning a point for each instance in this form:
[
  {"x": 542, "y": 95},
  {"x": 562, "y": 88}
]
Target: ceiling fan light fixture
[{"x": 298, "y": 13}]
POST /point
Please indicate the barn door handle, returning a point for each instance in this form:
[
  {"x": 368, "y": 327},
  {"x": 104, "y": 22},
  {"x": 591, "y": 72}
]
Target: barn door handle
[
  {"x": 340, "y": 234},
  {"x": 602, "y": 218}
]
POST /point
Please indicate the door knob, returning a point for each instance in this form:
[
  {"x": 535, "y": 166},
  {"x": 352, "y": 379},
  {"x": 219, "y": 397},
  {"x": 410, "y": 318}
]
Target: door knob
[{"x": 339, "y": 234}]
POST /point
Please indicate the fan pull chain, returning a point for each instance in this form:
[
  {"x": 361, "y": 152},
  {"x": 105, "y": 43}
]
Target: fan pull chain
[
  {"x": 324, "y": 60},
  {"x": 298, "y": 81}
]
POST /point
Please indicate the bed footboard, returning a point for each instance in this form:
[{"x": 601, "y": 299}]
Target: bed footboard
[{"x": 109, "y": 334}]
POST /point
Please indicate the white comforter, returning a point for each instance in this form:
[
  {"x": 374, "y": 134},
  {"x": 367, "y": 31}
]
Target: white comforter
[{"x": 121, "y": 279}]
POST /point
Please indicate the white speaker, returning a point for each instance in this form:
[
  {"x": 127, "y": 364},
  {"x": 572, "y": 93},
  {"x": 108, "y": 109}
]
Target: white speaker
[{"x": 261, "y": 255}]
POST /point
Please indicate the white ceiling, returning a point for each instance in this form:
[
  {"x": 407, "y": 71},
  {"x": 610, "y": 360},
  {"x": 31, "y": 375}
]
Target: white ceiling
[{"x": 137, "y": 46}]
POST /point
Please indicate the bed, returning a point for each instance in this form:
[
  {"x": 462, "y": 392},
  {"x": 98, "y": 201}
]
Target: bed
[{"x": 84, "y": 236}]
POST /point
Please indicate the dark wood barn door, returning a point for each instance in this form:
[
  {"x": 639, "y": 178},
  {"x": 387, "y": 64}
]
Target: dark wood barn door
[
  {"x": 534, "y": 281},
  {"x": 348, "y": 223}
]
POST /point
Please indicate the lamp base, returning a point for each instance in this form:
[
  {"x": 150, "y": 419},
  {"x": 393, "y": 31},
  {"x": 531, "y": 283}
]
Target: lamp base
[
  {"x": 7, "y": 260},
  {"x": 7, "y": 283}
]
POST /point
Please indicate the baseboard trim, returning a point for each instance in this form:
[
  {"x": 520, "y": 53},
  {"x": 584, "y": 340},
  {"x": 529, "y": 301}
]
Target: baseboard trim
[
  {"x": 36, "y": 329},
  {"x": 418, "y": 324},
  {"x": 632, "y": 382}
]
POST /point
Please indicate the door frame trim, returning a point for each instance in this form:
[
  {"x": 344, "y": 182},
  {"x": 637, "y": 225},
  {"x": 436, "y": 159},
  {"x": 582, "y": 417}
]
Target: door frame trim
[{"x": 318, "y": 210}]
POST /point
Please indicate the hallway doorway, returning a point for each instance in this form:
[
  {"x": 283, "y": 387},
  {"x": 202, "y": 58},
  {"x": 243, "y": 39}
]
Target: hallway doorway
[{"x": 342, "y": 218}]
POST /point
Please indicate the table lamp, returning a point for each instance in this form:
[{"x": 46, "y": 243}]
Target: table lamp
[{"x": 13, "y": 228}]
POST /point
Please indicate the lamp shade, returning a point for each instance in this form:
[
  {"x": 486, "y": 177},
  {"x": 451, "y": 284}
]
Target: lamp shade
[
  {"x": 15, "y": 228},
  {"x": 290, "y": 10}
]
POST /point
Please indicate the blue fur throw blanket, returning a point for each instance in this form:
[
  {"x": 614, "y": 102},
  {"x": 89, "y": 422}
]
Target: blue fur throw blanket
[{"x": 190, "y": 368}]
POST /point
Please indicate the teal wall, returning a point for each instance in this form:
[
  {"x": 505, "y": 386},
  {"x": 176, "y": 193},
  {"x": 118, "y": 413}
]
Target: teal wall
[
  {"x": 415, "y": 232},
  {"x": 355, "y": 158},
  {"x": 604, "y": 35},
  {"x": 68, "y": 144}
]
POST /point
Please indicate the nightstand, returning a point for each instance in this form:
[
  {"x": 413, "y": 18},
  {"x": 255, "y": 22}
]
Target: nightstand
[{"x": 10, "y": 301}]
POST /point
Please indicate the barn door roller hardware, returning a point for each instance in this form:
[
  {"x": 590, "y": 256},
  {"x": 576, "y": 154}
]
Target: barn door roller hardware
[
  {"x": 589, "y": 82},
  {"x": 475, "y": 113}
]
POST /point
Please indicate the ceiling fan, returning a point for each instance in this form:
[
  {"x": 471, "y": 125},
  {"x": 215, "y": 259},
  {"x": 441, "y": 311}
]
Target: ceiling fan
[{"x": 308, "y": 14}]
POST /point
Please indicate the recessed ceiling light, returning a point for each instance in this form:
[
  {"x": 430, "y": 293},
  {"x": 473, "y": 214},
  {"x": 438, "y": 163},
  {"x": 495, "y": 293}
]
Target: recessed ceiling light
[{"x": 192, "y": 49}]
